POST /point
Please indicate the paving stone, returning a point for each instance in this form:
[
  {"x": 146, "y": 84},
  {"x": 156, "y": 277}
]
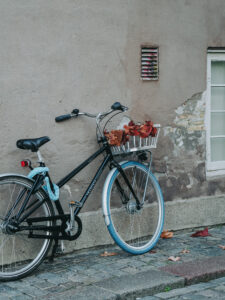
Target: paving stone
[
  {"x": 90, "y": 293},
  {"x": 199, "y": 269},
  {"x": 53, "y": 278},
  {"x": 43, "y": 284},
  {"x": 148, "y": 298},
  {"x": 210, "y": 293},
  {"x": 130, "y": 270},
  {"x": 75, "y": 272},
  {"x": 20, "y": 297},
  {"x": 7, "y": 290},
  {"x": 78, "y": 278},
  {"x": 218, "y": 280},
  {"x": 151, "y": 281},
  {"x": 5, "y": 297},
  {"x": 220, "y": 288},
  {"x": 118, "y": 273},
  {"x": 137, "y": 264},
  {"x": 34, "y": 292},
  {"x": 193, "y": 297},
  {"x": 181, "y": 291}
]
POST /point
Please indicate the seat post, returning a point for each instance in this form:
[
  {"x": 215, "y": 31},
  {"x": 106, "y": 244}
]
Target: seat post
[{"x": 40, "y": 159}]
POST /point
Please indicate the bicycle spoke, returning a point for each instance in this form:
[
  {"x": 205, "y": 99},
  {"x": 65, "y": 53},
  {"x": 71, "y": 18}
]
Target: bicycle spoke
[
  {"x": 18, "y": 253},
  {"x": 136, "y": 228}
]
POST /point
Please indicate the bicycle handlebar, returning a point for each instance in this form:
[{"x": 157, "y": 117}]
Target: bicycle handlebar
[
  {"x": 76, "y": 113},
  {"x": 63, "y": 118}
]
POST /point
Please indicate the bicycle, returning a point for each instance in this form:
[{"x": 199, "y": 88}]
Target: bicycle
[{"x": 29, "y": 223}]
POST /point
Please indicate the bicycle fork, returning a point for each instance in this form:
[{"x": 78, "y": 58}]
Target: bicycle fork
[{"x": 120, "y": 169}]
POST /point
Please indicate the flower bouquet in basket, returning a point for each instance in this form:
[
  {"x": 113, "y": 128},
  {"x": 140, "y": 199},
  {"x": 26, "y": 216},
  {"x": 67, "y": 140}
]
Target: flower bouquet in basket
[{"x": 133, "y": 137}]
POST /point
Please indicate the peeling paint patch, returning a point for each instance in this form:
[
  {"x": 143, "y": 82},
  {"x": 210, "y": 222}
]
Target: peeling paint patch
[
  {"x": 188, "y": 128},
  {"x": 181, "y": 162},
  {"x": 184, "y": 161}
]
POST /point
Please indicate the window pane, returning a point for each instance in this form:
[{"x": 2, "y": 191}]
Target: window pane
[
  {"x": 218, "y": 72},
  {"x": 218, "y": 98},
  {"x": 217, "y": 149},
  {"x": 218, "y": 123}
]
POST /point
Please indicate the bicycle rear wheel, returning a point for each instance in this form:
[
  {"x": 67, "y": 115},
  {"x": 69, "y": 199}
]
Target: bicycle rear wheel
[
  {"x": 135, "y": 231},
  {"x": 19, "y": 254}
]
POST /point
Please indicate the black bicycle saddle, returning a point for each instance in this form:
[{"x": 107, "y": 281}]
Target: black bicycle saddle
[{"x": 32, "y": 144}]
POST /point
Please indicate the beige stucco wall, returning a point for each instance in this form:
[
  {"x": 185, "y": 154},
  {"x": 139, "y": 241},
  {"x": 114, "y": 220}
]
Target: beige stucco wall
[{"x": 56, "y": 55}]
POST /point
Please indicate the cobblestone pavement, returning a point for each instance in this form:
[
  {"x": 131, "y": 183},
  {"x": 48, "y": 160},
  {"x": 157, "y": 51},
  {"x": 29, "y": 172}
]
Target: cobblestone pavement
[
  {"x": 214, "y": 289},
  {"x": 77, "y": 275}
]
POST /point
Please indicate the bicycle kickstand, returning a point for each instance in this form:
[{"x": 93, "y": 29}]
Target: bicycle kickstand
[{"x": 54, "y": 249}]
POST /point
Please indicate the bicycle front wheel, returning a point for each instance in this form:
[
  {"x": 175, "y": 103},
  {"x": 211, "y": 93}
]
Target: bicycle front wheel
[
  {"x": 135, "y": 230},
  {"x": 19, "y": 254}
]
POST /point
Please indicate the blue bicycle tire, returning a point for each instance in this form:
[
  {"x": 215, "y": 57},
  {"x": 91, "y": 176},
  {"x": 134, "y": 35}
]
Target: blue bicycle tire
[{"x": 127, "y": 209}]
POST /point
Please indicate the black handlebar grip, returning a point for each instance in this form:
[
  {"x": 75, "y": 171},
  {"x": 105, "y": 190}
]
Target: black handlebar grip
[
  {"x": 63, "y": 118},
  {"x": 118, "y": 106}
]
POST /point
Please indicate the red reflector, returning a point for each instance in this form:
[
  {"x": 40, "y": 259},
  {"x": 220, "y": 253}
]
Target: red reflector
[{"x": 24, "y": 163}]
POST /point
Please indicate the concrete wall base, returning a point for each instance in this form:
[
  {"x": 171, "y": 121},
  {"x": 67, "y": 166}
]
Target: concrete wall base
[{"x": 179, "y": 214}]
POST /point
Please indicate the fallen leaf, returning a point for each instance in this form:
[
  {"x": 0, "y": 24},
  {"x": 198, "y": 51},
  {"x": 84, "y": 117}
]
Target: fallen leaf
[
  {"x": 204, "y": 232},
  {"x": 106, "y": 253},
  {"x": 173, "y": 258},
  {"x": 166, "y": 234},
  {"x": 185, "y": 251},
  {"x": 222, "y": 247},
  {"x": 152, "y": 251}
]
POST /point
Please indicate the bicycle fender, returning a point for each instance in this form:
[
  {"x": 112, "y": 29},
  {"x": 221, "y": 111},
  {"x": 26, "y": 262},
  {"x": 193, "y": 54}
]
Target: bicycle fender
[
  {"x": 23, "y": 176},
  {"x": 15, "y": 175},
  {"x": 104, "y": 193}
]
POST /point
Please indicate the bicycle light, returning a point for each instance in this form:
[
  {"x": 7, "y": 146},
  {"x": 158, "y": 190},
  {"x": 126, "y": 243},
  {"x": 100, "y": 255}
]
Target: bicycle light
[{"x": 25, "y": 163}]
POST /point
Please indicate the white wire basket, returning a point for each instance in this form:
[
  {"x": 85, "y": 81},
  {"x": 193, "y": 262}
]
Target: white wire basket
[{"x": 136, "y": 143}]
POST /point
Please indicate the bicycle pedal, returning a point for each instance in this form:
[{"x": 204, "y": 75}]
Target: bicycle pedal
[
  {"x": 60, "y": 248},
  {"x": 75, "y": 203}
]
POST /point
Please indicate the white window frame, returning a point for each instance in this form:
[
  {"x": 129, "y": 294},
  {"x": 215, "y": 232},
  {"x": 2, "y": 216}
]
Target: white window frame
[{"x": 213, "y": 168}]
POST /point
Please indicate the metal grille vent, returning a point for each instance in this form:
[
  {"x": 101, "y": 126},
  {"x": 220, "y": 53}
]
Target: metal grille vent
[{"x": 149, "y": 63}]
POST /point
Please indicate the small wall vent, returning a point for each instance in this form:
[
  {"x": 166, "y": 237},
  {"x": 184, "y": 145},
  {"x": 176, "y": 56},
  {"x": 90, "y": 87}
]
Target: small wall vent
[{"x": 149, "y": 63}]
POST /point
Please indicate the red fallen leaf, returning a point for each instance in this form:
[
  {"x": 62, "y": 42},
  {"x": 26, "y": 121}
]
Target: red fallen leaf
[
  {"x": 166, "y": 234},
  {"x": 131, "y": 123},
  {"x": 185, "y": 251},
  {"x": 153, "y": 132},
  {"x": 106, "y": 253},
  {"x": 145, "y": 131},
  {"x": 222, "y": 247},
  {"x": 203, "y": 233},
  {"x": 131, "y": 130},
  {"x": 149, "y": 123},
  {"x": 125, "y": 138},
  {"x": 152, "y": 251},
  {"x": 173, "y": 258},
  {"x": 114, "y": 137}
]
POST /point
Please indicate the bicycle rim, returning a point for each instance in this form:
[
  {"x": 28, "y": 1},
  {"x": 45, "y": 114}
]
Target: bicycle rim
[
  {"x": 135, "y": 231},
  {"x": 20, "y": 255}
]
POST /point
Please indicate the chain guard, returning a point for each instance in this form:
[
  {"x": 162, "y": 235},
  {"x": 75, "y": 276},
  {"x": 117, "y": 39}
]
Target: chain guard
[
  {"x": 58, "y": 231},
  {"x": 68, "y": 235}
]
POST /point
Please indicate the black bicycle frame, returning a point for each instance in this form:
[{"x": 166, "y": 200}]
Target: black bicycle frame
[
  {"x": 91, "y": 186},
  {"x": 108, "y": 158}
]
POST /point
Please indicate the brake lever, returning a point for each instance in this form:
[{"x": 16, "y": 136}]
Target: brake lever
[{"x": 75, "y": 112}]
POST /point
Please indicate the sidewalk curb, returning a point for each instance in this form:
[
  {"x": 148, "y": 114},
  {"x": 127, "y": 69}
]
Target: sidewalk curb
[
  {"x": 141, "y": 284},
  {"x": 199, "y": 270},
  {"x": 156, "y": 281}
]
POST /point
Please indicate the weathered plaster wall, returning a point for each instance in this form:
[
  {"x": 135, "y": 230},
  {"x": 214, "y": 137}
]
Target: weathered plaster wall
[
  {"x": 181, "y": 156},
  {"x": 59, "y": 55},
  {"x": 180, "y": 160}
]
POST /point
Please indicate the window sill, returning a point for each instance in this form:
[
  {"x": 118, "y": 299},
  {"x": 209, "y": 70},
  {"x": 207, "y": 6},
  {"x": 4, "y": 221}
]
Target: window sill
[{"x": 215, "y": 173}]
